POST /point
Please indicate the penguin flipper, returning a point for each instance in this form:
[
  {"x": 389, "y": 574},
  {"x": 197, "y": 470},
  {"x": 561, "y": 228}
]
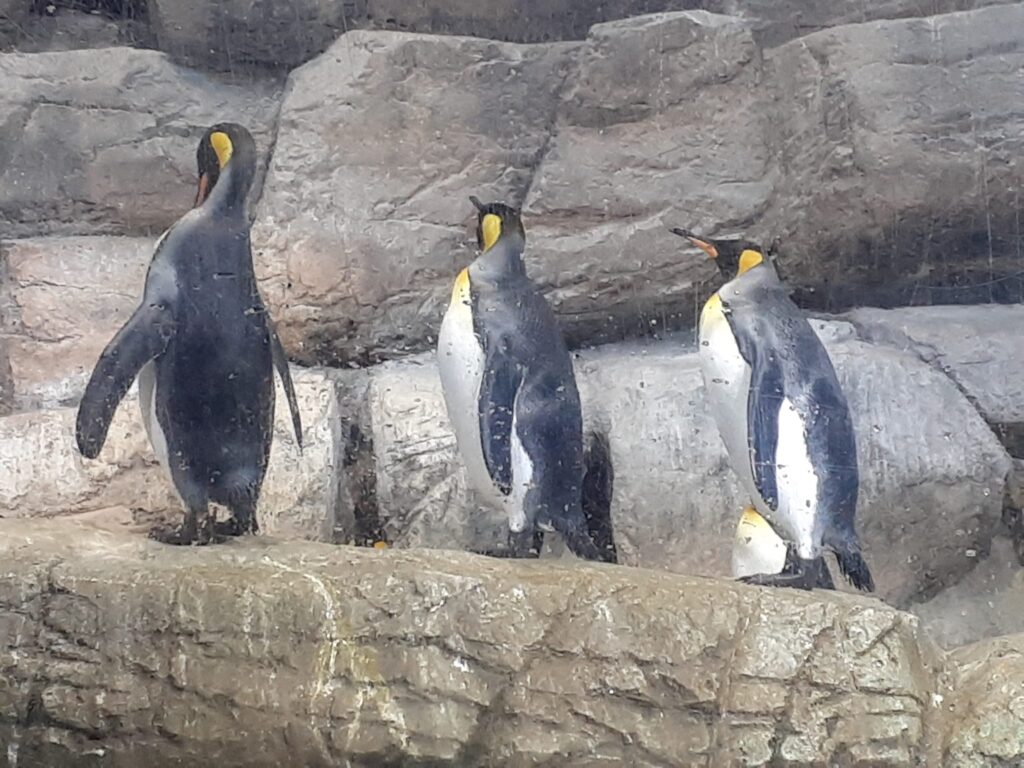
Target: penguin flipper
[
  {"x": 143, "y": 337},
  {"x": 498, "y": 388},
  {"x": 763, "y": 405},
  {"x": 281, "y": 363}
]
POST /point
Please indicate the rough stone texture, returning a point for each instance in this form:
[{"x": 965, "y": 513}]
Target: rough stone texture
[
  {"x": 986, "y": 705},
  {"x": 228, "y": 34},
  {"x": 104, "y": 141},
  {"x": 65, "y": 299},
  {"x": 668, "y": 119},
  {"x": 13, "y": 17},
  {"x": 932, "y": 473},
  {"x": 978, "y": 347},
  {"x": 363, "y": 221},
  {"x": 987, "y": 602},
  {"x": 909, "y": 129},
  {"x": 42, "y": 473},
  {"x": 261, "y": 654},
  {"x": 776, "y": 21}
]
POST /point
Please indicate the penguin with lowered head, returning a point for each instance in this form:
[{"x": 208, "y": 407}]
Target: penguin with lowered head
[
  {"x": 783, "y": 417},
  {"x": 204, "y": 350},
  {"x": 511, "y": 394}
]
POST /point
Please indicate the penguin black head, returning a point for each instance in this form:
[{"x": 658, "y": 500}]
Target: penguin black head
[
  {"x": 222, "y": 144},
  {"x": 495, "y": 220},
  {"x": 733, "y": 257}
]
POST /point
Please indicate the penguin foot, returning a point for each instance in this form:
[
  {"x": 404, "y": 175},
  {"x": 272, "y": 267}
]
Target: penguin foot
[
  {"x": 230, "y": 528},
  {"x": 792, "y": 580},
  {"x": 185, "y": 534}
]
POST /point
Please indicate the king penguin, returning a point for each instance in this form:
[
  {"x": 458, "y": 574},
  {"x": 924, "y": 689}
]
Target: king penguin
[
  {"x": 783, "y": 417},
  {"x": 511, "y": 394},
  {"x": 204, "y": 350}
]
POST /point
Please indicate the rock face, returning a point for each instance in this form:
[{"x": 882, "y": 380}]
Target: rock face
[
  {"x": 906, "y": 128},
  {"x": 364, "y": 218},
  {"x": 988, "y": 721},
  {"x": 669, "y": 119},
  {"x": 234, "y": 33},
  {"x": 987, "y": 602},
  {"x": 42, "y": 473},
  {"x": 99, "y": 142},
  {"x": 67, "y": 297},
  {"x": 260, "y": 654},
  {"x": 932, "y": 473},
  {"x": 977, "y": 347}
]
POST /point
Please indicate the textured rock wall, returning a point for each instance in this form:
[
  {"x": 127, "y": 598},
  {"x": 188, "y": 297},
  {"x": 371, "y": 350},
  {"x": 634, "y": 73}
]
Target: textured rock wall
[
  {"x": 255, "y": 654},
  {"x": 908, "y": 128}
]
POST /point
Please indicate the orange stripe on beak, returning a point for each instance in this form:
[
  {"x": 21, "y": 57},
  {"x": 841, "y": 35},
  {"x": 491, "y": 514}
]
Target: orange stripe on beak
[
  {"x": 705, "y": 246},
  {"x": 204, "y": 190}
]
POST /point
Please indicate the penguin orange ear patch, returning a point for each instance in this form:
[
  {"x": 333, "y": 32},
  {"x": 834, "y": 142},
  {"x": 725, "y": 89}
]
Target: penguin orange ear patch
[
  {"x": 490, "y": 228},
  {"x": 222, "y": 146},
  {"x": 749, "y": 259}
]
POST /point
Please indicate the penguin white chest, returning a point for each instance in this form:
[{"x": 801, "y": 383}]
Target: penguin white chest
[
  {"x": 147, "y": 404},
  {"x": 460, "y": 363},
  {"x": 727, "y": 384}
]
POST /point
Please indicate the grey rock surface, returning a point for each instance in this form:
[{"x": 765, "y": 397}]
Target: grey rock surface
[
  {"x": 907, "y": 131},
  {"x": 364, "y": 220},
  {"x": 61, "y": 303},
  {"x": 669, "y": 119},
  {"x": 933, "y": 474},
  {"x": 42, "y": 473},
  {"x": 129, "y": 653},
  {"x": 230, "y": 34},
  {"x": 977, "y": 347},
  {"x": 104, "y": 141},
  {"x": 987, "y": 602}
]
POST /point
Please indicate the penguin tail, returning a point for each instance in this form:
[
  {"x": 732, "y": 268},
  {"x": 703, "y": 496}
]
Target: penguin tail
[
  {"x": 853, "y": 566},
  {"x": 598, "y": 484}
]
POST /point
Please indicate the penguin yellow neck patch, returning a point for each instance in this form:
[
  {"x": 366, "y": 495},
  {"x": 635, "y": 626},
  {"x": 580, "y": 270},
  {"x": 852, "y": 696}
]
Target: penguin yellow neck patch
[
  {"x": 749, "y": 259},
  {"x": 460, "y": 292},
  {"x": 752, "y": 519},
  {"x": 222, "y": 146},
  {"x": 490, "y": 228}
]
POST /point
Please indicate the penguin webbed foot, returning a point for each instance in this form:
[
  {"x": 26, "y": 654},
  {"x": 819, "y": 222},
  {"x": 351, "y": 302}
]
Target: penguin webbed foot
[
  {"x": 233, "y": 527},
  {"x": 186, "y": 534},
  {"x": 520, "y": 546},
  {"x": 800, "y": 580}
]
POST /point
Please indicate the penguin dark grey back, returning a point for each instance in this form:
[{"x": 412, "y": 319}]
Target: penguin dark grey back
[
  {"x": 511, "y": 394},
  {"x": 204, "y": 350},
  {"x": 782, "y": 415}
]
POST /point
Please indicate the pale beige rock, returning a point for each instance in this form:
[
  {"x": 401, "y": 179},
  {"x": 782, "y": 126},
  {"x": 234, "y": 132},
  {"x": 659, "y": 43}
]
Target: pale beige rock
[
  {"x": 104, "y": 141},
  {"x": 66, "y": 298},
  {"x": 258, "y": 653},
  {"x": 986, "y": 705},
  {"x": 42, "y": 473}
]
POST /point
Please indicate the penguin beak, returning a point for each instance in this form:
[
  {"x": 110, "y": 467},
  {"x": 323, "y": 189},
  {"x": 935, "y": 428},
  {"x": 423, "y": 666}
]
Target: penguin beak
[
  {"x": 705, "y": 245},
  {"x": 476, "y": 203},
  {"x": 204, "y": 190}
]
